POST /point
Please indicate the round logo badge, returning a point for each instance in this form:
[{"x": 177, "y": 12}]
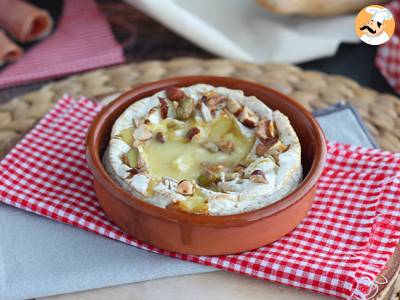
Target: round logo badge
[{"x": 374, "y": 25}]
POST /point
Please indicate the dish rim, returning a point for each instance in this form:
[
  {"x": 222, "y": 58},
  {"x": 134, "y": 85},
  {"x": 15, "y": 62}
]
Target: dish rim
[{"x": 144, "y": 90}]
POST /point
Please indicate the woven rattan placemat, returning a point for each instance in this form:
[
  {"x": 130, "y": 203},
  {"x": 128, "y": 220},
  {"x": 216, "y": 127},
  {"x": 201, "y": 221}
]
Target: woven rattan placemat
[{"x": 313, "y": 89}]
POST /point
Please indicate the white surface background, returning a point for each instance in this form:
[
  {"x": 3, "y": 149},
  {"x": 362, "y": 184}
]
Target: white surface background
[{"x": 241, "y": 29}]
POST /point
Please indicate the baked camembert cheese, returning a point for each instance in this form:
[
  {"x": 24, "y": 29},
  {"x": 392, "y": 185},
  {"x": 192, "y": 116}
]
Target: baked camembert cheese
[{"x": 204, "y": 150}]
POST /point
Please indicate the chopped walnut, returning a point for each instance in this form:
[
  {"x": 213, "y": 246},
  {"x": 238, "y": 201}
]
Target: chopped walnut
[{"x": 185, "y": 188}]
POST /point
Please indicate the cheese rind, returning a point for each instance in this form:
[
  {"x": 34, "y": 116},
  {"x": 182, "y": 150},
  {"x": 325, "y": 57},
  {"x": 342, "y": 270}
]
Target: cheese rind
[{"x": 161, "y": 165}]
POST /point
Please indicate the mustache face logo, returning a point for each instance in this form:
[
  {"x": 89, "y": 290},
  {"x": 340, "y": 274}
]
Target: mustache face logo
[{"x": 368, "y": 28}]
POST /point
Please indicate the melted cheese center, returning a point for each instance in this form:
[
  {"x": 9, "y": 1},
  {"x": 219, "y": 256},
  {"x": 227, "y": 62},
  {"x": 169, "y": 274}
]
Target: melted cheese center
[{"x": 180, "y": 159}]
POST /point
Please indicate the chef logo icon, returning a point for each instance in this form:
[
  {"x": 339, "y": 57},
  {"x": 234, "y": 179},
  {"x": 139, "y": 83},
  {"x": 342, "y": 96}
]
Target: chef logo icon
[{"x": 375, "y": 25}]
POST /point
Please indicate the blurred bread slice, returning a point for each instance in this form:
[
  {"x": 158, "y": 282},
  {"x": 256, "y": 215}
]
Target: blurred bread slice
[{"x": 316, "y": 7}]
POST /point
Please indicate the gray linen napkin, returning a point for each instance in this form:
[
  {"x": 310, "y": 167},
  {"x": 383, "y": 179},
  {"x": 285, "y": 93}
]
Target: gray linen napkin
[{"x": 40, "y": 257}]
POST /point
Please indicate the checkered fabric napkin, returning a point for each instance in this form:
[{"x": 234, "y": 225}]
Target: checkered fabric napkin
[
  {"x": 388, "y": 55},
  {"x": 339, "y": 249},
  {"x": 82, "y": 40}
]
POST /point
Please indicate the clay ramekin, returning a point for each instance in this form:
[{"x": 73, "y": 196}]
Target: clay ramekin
[{"x": 203, "y": 234}]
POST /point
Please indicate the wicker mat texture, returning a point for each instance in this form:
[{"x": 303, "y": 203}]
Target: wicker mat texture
[{"x": 313, "y": 89}]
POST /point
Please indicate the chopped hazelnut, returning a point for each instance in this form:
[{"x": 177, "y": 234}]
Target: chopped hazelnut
[
  {"x": 215, "y": 168},
  {"x": 240, "y": 169},
  {"x": 233, "y": 106},
  {"x": 160, "y": 137},
  {"x": 221, "y": 104},
  {"x": 262, "y": 148},
  {"x": 271, "y": 146},
  {"x": 191, "y": 133},
  {"x": 277, "y": 148},
  {"x": 141, "y": 164},
  {"x": 248, "y": 122},
  {"x": 271, "y": 129},
  {"x": 261, "y": 130},
  {"x": 136, "y": 122},
  {"x": 185, "y": 188},
  {"x": 215, "y": 102},
  {"x": 153, "y": 116},
  {"x": 142, "y": 133},
  {"x": 248, "y": 118},
  {"x": 226, "y": 146},
  {"x": 205, "y": 112},
  {"x": 266, "y": 129},
  {"x": 185, "y": 109},
  {"x": 132, "y": 172},
  {"x": 258, "y": 176},
  {"x": 210, "y": 94},
  {"x": 163, "y": 108},
  {"x": 174, "y": 93},
  {"x": 210, "y": 146},
  {"x": 208, "y": 178}
]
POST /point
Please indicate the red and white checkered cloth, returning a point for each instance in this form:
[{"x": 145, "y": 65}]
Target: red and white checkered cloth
[
  {"x": 388, "y": 55},
  {"x": 339, "y": 249},
  {"x": 82, "y": 40}
]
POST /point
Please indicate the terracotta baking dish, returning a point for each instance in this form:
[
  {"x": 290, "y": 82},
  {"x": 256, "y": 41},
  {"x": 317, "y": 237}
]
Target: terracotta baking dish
[{"x": 202, "y": 234}]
